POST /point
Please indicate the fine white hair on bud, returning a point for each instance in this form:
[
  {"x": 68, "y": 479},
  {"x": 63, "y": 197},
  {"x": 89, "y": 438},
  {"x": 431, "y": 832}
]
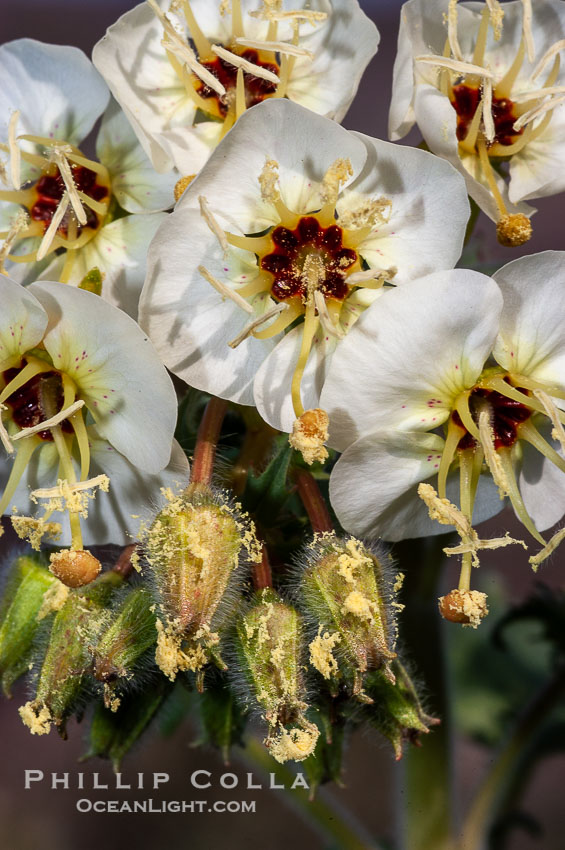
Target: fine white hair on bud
[
  {"x": 196, "y": 553},
  {"x": 347, "y": 593},
  {"x": 269, "y": 651}
]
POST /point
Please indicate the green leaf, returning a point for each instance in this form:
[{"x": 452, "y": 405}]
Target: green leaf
[{"x": 266, "y": 494}]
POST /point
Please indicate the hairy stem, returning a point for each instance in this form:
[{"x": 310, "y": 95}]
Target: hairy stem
[{"x": 262, "y": 576}]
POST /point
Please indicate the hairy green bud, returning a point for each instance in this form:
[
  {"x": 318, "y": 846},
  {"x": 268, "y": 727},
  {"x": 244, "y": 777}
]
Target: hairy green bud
[
  {"x": 196, "y": 550},
  {"x": 31, "y": 592},
  {"x": 347, "y": 599},
  {"x": 129, "y": 634},
  {"x": 62, "y": 675},
  {"x": 269, "y": 646},
  {"x": 396, "y": 711}
]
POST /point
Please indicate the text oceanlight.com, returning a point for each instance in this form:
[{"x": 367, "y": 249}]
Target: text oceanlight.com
[{"x": 166, "y": 806}]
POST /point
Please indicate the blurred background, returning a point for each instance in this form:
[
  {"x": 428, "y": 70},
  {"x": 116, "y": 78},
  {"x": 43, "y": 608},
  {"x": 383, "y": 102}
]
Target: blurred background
[{"x": 492, "y": 684}]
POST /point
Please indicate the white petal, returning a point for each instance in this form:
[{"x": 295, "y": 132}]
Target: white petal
[
  {"x": 542, "y": 485},
  {"x": 116, "y": 370},
  {"x": 303, "y": 144},
  {"x": 143, "y": 81},
  {"x": 537, "y": 170},
  {"x": 410, "y": 354},
  {"x": 373, "y": 487},
  {"x": 272, "y": 385},
  {"x": 56, "y": 89},
  {"x": 342, "y": 48},
  {"x": 119, "y": 250},
  {"x": 23, "y": 320},
  {"x": 532, "y": 325},
  {"x": 187, "y": 319},
  {"x": 429, "y": 210},
  {"x": 136, "y": 185}
]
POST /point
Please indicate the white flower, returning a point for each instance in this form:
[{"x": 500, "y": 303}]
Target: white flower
[
  {"x": 185, "y": 71},
  {"x": 337, "y": 214},
  {"x": 413, "y": 394},
  {"x": 485, "y": 86},
  {"x": 64, "y": 213},
  {"x": 86, "y": 383}
]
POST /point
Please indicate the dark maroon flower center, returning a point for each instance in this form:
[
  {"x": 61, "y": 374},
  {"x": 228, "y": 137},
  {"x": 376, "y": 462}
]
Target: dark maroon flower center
[
  {"x": 292, "y": 248},
  {"x": 465, "y": 100},
  {"x": 256, "y": 88},
  {"x": 506, "y": 415},
  {"x": 50, "y": 190},
  {"x": 39, "y": 399}
]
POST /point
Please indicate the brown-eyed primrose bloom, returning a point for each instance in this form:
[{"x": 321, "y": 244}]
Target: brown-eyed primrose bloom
[
  {"x": 185, "y": 71},
  {"x": 483, "y": 82},
  {"x": 286, "y": 236},
  {"x": 85, "y": 406},
  {"x": 62, "y": 213},
  {"x": 448, "y": 397}
]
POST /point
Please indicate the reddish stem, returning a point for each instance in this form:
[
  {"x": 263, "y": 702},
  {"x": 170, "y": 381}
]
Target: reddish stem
[
  {"x": 207, "y": 441},
  {"x": 313, "y": 501},
  {"x": 262, "y": 576}
]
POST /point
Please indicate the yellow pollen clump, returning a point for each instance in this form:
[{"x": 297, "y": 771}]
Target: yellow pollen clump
[
  {"x": 321, "y": 653},
  {"x": 336, "y": 174},
  {"x": 369, "y": 213},
  {"x": 169, "y": 656},
  {"x": 183, "y": 184},
  {"x": 295, "y": 745},
  {"x": 467, "y": 607},
  {"x": 309, "y": 433},
  {"x": 547, "y": 550},
  {"x": 34, "y": 530},
  {"x": 71, "y": 497},
  {"x": 514, "y": 230},
  {"x": 269, "y": 181},
  {"x": 359, "y": 606},
  {"x": 53, "y": 599},
  {"x": 37, "y": 717}
]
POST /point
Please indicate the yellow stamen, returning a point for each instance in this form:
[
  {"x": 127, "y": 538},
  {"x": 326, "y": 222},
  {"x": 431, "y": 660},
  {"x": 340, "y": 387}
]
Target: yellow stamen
[
  {"x": 213, "y": 224},
  {"x": 325, "y": 319},
  {"x": 454, "y": 434},
  {"x": 482, "y": 36},
  {"x": 554, "y": 50},
  {"x": 60, "y": 160},
  {"x": 492, "y": 457},
  {"x": 23, "y": 456},
  {"x": 527, "y": 29},
  {"x": 31, "y": 369},
  {"x": 547, "y": 550},
  {"x": 496, "y": 16},
  {"x": 4, "y": 436},
  {"x": 51, "y": 232},
  {"x": 490, "y": 178},
  {"x": 528, "y": 432},
  {"x": 308, "y": 15},
  {"x": 505, "y": 456},
  {"x": 504, "y": 87},
  {"x": 279, "y": 325},
  {"x": 464, "y": 68},
  {"x": 236, "y": 19},
  {"x": 469, "y": 143},
  {"x": 17, "y": 228},
  {"x": 558, "y": 433},
  {"x": 490, "y": 131},
  {"x": 244, "y": 64},
  {"x": 256, "y": 323},
  {"x": 203, "y": 46},
  {"x": 225, "y": 291},
  {"x": 15, "y": 155},
  {"x": 308, "y": 332},
  {"x": 537, "y": 112},
  {"x": 187, "y": 58},
  {"x": 282, "y": 47},
  {"x": 452, "y": 31},
  {"x": 240, "y": 104},
  {"x": 538, "y": 94},
  {"x": 49, "y": 423}
]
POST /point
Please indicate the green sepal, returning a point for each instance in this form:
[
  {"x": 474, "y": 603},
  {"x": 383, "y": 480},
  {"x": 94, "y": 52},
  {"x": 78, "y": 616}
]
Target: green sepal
[
  {"x": 221, "y": 717},
  {"x": 21, "y": 602},
  {"x": 325, "y": 763},
  {"x": 92, "y": 281},
  {"x": 113, "y": 734}
]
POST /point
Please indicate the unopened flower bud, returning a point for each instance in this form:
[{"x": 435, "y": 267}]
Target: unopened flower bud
[
  {"x": 269, "y": 650},
  {"x": 345, "y": 593},
  {"x": 23, "y": 601},
  {"x": 130, "y": 633},
  {"x": 396, "y": 710},
  {"x": 61, "y": 677},
  {"x": 196, "y": 549},
  {"x": 467, "y": 607},
  {"x": 75, "y": 568}
]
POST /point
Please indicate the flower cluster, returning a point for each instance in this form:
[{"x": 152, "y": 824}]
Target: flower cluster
[{"x": 224, "y": 226}]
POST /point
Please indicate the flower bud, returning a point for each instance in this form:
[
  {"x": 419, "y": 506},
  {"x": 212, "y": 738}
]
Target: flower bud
[
  {"x": 130, "y": 632},
  {"x": 346, "y": 595},
  {"x": 269, "y": 650},
  {"x": 61, "y": 677},
  {"x": 75, "y": 568},
  {"x": 396, "y": 710},
  {"x": 196, "y": 550},
  {"x": 22, "y": 607}
]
